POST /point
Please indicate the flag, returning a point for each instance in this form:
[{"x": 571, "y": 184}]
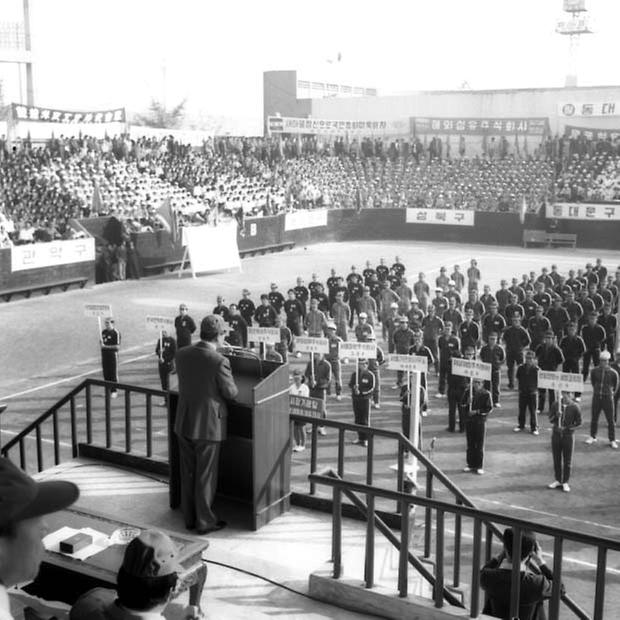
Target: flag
[
  {"x": 96, "y": 206},
  {"x": 522, "y": 210},
  {"x": 168, "y": 218}
]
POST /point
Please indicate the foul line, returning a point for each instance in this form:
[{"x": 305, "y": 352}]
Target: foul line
[{"x": 73, "y": 378}]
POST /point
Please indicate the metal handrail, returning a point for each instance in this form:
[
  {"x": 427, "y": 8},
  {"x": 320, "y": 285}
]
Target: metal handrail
[{"x": 602, "y": 544}]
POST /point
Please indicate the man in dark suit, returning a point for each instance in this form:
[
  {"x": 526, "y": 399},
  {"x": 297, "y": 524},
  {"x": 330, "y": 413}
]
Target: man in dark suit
[{"x": 205, "y": 383}]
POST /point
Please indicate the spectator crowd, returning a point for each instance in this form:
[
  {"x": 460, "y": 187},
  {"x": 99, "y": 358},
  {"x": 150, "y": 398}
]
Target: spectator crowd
[{"x": 45, "y": 188}]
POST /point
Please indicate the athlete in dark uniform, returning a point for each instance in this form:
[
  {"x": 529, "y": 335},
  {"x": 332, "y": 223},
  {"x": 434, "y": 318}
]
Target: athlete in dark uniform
[
  {"x": 110, "y": 345},
  {"x": 475, "y": 411},
  {"x": 362, "y": 386},
  {"x": 165, "y": 350},
  {"x": 184, "y": 326}
]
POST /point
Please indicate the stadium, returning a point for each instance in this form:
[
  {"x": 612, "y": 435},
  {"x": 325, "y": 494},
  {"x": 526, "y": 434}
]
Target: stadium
[{"x": 399, "y": 311}]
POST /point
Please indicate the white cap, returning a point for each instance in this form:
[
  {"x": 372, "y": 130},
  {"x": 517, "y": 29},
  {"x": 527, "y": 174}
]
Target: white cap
[
  {"x": 605, "y": 355},
  {"x": 394, "y": 305},
  {"x": 363, "y": 315}
]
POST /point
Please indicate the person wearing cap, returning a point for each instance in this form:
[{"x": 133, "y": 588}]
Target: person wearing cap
[
  {"x": 536, "y": 582},
  {"x": 442, "y": 280},
  {"x": 23, "y": 506},
  {"x": 362, "y": 385},
  {"x": 503, "y": 296},
  {"x": 110, "y": 346},
  {"x": 448, "y": 346},
  {"x": 475, "y": 407},
  {"x": 537, "y": 326},
  {"x": 145, "y": 583},
  {"x": 527, "y": 378},
  {"x": 458, "y": 278},
  {"x": 565, "y": 416},
  {"x": 389, "y": 325},
  {"x": 184, "y": 326},
  {"x": 475, "y": 305},
  {"x": 315, "y": 322},
  {"x": 367, "y": 305},
  {"x": 402, "y": 339},
  {"x": 238, "y": 334},
  {"x": 302, "y": 293},
  {"x": 382, "y": 270},
  {"x": 605, "y": 384},
  {"x": 422, "y": 291},
  {"x": 594, "y": 337},
  {"x": 492, "y": 322},
  {"x": 473, "y": 275},
  {"x": 355, "y": 290},
  {"x": 205, "y": 384},
  {"x": 299, "y": 388},
  {"x": 387, "y": 297},
  {"x": 246, "y": 307},
  {"x": 432, "y": 328},
  {"x": 398, "y": 267},
  {"x": 314, "y": 285},
  {"x": 550, "y": 357},
  {"x": 333, "y": 357},
  {"x": 363, "y": 331},
  {"x": 439, "y": 302},
  {"x": 558, "y": 318}
]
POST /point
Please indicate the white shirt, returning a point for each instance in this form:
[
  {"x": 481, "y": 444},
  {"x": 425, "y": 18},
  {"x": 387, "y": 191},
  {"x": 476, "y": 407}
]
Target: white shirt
[
  {"x": 5, "y": 607},
  {"x": 302, "y": 390}
]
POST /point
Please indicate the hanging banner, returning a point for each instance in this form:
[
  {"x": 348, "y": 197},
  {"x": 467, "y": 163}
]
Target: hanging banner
[
  {"x": 570, "y": 109},
  {"x": 480, "y": 126},
  {"x": 574, "y": 132},
  {"x": 440, "y": 216},
  {"x": 287, "y": 124},
  {"x": 305, "y": 219},
  {"x": 48, "y": 115},
  {"x": 583, "y": 211},
  {"x": 50, "y": 254}
]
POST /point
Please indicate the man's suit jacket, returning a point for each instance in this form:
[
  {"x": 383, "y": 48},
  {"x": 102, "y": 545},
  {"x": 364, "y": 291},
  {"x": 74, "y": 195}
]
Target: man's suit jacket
[{"x": 205, "y": 382}]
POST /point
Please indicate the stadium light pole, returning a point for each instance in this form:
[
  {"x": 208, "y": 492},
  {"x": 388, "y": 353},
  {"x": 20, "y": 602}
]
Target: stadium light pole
[{"x": 573, "y": 27}]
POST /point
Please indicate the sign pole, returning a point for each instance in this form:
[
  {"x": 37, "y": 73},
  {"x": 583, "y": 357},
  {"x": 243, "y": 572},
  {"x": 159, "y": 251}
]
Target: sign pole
[
  {"x": 100, "y": 335},
  {"x": 414, "y": 423},
  {"x": 357, "y": 373},
  {"x": 161, "y": 350},
  {"x": 312, "y": 367}
]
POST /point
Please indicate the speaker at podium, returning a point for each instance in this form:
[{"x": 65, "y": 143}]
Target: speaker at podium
[{"x": 255, "y": 460}]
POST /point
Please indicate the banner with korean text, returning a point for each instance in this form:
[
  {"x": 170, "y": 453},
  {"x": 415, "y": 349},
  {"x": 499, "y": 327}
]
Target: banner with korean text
[
  {"x": 324, "y": 126},
  {"x": 48, "y": 115},
  {"x": 564, "y": 381},
  {"x": 570, "y": 109},
  {"x": 480, "y": 126},
  {"x": 305, "y": 219},
  {"x": 574, "y": 132},
  {"x": 305, "y": 405},
  {"x": 457, "y": 217},
  {"x": 583, "y": 211},
  {"x": 37, "y": 255}
]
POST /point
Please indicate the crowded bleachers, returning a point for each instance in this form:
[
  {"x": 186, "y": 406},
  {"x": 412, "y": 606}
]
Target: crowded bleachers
[{"x": 42, "y": 187}]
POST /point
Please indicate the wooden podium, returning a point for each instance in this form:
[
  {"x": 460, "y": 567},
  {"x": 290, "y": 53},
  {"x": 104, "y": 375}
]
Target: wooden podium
[{"x": 255, "y": 459}]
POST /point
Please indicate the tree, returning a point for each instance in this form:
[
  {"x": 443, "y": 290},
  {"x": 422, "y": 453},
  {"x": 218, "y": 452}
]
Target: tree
[{"x": 158, "y": 116}]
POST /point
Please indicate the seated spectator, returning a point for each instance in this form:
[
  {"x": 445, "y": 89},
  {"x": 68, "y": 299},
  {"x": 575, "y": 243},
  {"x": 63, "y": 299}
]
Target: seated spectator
[
  {"x": 23, "y": 504},
  {"x": 146, "y": 582}
]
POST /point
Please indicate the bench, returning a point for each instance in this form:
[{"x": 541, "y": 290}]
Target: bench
[
  {"x": 552, "y": 240},
  {"x": 46, "y": 288},
  {"x": 276, "y": 247}
]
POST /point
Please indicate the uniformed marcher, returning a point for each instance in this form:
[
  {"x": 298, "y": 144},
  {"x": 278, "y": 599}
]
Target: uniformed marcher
[
  {"x": 448, "y": 346},
  {"x": 605, "y": 382},
  {"x": 517, "y": 340},
  {"x": 246, "y": 307},
  {"x": 110, "y": 345},
  {"x": 457, "y": 387},
  {"x": 362, "y": 385},
  {"x": 565, "y": 416},
  {"x": 276, "y": 299},
  {"x": 318, "y": 377},
  {"x": 333, "y": 357},
  {"x": 594, "y": 337},
  {"x": 165, "y": 350},
  {"x": 492, "y": 353},
  {"x": 184, "y": 326},
  {"x": 550, "y": 357},
  {"x": 475, "y": 411},
  {"x": 402, "y": 342},
  {"x": 238, "y": 334},
  {"x": 341, "y": 313},
  {"x": 527, "y": 377}
]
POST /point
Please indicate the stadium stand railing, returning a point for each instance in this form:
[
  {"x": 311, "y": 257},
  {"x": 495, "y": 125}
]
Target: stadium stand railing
[{"x": 124, "y": 435}]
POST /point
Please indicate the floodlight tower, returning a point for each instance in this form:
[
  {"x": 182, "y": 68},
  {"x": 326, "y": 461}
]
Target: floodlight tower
[
  {"x": 15, "y": 50},
  {"x": 573, "y": 26}
]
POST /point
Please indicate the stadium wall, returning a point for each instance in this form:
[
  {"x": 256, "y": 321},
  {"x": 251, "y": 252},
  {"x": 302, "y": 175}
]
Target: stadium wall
[{"x": 279, "y": 90}]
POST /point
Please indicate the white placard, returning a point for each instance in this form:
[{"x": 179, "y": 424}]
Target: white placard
[
  {"x": 305, "y": 219},
  {"x": 37, "y": 255},
  {"x": 411, "y": 363},
  {"x": 471, "y": 368},
  {"x": 451, "y": 217},
  {"x": 98, "y": 310},
  {"x": 307, "y": 344},
  {"x": 159, "y": 323},
  {"x": 564, "y": 381},
  {"x": 212, "y": 248},
  {"x": 583, "y": 211},
  {"x": 270, "y": 335},
  {"x": 358, "y": 350}
]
